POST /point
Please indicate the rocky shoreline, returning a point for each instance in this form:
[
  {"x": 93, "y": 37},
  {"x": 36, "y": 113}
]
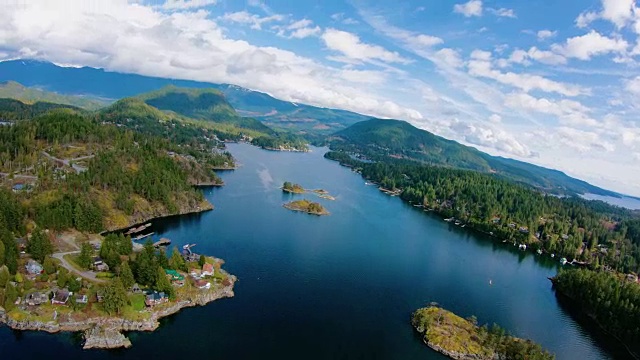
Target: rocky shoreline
[{"x": 106, "y": 332}]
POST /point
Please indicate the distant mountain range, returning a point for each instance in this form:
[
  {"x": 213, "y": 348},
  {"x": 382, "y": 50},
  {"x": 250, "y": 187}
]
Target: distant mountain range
[
  {"x": 150, "y": 99},
  {"x": 400, "y": 140},
  {"x": 103, "y": 86}
]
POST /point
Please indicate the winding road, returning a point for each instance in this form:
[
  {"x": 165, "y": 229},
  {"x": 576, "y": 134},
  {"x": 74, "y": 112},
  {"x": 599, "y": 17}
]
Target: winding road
[{"x": 89, "y": 275}]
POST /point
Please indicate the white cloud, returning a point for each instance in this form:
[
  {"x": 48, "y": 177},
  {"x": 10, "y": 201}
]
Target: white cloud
[
  {"x": 591, "y": 44},
  {"x": 469, "y": 9},
  {"x": 449, "y": 57},
  {"x": 503, "y": 12},
  {"x": 351, "y": 47},
  {"x": 567, "y": 111},
  {"x": 584, "y": 19},
  {"x": 340, "y": 17},
  {"x": 254, "y": 20},
  {"x": 132, "y": 38},
  {"x": 187, "y": 4},
  {"x": 583, "y": 141},
  {"x": 490, "y": 136},
  {"x": 546, "y": 57},
  {"x": 618, "y": 12},
  {"x": 546, "y": 34},
  {"x": 480, "y": 66},
  {"x": 495, "y": 118},
  {"x": 633, "y": 85},
  {"x": 305, "y": 32}
]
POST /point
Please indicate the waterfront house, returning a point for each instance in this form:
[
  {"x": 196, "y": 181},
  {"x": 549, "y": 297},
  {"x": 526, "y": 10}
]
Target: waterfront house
[
  {"x": 37, "y": 298},
  {"x": 17, "y": 188},
  {"x": 175, "y": 277},
  {"x": 82, "y": 299},
  {"x": 33, "y": 267},
  {"x": 61, "y": 296},
  {"x": 203, "y": 284},
  {"x": 524, "y": 229},
  {"x": 207, "y": 270},
  {"x": 632, "y": 277},
  {"x": 99, "y": 264},
  {"x": 156, "y": 298},
  {"x": 196, "y": 273}
]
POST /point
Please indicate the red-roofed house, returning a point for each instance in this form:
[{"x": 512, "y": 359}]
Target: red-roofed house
[{"x": 207, "y": 270}]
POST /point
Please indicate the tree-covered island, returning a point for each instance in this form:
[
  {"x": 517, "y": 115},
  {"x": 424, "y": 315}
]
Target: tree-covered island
[
  {"x": 458, "y": 338},
  {"x": 306, "y": 206},
  {"x": 293, "y": 188}
]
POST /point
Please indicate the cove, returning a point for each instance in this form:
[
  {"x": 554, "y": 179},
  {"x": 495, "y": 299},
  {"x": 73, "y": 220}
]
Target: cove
[{"x": 339, "y": 286}]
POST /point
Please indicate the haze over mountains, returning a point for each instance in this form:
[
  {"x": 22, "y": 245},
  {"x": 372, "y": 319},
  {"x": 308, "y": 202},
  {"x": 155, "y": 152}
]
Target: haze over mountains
[{"x": 247, "y": 109}]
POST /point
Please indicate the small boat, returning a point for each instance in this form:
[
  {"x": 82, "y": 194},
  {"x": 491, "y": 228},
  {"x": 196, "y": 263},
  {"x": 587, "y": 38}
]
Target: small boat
[
  {"x": 522, "y": 247},
  {"x": 463, "y": 225},
  {"x": 539, "y": 252},
  {"x": 458, "y": 222},
  {"x": 553, "y": 255},
  {"x": 449, "y": 219},
  {"x": 563, "y": 261},
  {"x": 490, "y": 282}
]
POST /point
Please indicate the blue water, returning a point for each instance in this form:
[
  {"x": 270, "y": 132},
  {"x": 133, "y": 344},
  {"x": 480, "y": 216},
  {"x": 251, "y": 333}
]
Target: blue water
[
  {"x": 336, "y": 287},
  {"x": 625, "y": 202}
]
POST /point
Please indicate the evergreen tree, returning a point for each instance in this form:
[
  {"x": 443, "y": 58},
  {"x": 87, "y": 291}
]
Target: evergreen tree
[
  {"x": 115, "y": 297},
  {"x": 85, "y": 259},
  {"x": 126, "y": 275},
  {"x": 146, "y": 265},
  {"x": 10, "y": 296},
  {"x": 202, "y": 260},
  {"x": 176, "y": 261},
  {"x": 39, "y": 246},
  {"x": 4, "y": 276},
  {"x": 163, "y": 284},
  {"x": 49, "y": 266},
  {"x": 2, "y": 252}
]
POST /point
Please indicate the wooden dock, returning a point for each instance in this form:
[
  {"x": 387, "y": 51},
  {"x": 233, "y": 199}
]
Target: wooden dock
[{"x": 162, "y": 242}]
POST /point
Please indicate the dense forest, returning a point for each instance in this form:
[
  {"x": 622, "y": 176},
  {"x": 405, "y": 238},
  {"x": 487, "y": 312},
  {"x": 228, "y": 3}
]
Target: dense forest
[
  {"x": 571, "y": 227},
  {"x": 610, "y": 298},
  {"x": 127, "y": 172}
]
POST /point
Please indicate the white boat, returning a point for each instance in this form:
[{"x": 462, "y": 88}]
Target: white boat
[
  {"x": 539, "y": 252},
  {"x": 522, "y": 247},
  {"x": 553, "y": 255}
]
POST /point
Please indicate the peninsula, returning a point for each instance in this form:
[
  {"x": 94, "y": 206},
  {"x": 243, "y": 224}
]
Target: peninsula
[
  {"x": 77, "y": 291},
  {"x": 459, "y": 338},
  {"x": 307, "y": 206}
]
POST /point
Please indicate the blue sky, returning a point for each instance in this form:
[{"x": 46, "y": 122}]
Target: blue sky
[{"x": 554, "y": 83}]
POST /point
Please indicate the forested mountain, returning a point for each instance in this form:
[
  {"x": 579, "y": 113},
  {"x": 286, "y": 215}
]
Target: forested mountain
[
  {"x": 14, "y": 90},
  {"x": 86, "y": 81},
  {"x": 202, "y": 104},
  {"x": 384, "y": 139},
  {"x": 11, "y": 109}
]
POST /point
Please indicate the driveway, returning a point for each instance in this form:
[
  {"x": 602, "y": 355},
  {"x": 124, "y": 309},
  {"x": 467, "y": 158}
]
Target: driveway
[{"x": 89, "y": 275}]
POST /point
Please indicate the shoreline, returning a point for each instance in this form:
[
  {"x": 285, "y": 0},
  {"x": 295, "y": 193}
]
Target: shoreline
[
  {"x": 106, "y": 332},
  {"x": 208, "y": 206}
]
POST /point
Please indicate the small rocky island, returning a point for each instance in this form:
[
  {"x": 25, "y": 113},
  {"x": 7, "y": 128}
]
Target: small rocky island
[
  {"x": 292, "y": 188},
  {"x": 458, "y": 338},
  {"x": 307, "y": 206}
]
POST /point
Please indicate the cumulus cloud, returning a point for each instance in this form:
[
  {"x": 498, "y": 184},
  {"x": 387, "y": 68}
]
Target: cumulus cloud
[
  {"x": 480, "y": 66},
  {"x": 618, "y": 12},
  {"x": 490, "y": 136},
  {"x": 128, "y": 37},
  {"x": 351, "y": 47},
  {"x": 633, "y": 85},
  {"x": 546, "y": 57},
  {"x": 546, "y": 34},
  {"x": 582, "y": 141},
  {"x": 187, "y": 4},
  {"x": 591, "y": 44},
  {"x": 567, "y": 111},
  {"x": 450, "y": 57},
  {"x": 469, "y": 9}
]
